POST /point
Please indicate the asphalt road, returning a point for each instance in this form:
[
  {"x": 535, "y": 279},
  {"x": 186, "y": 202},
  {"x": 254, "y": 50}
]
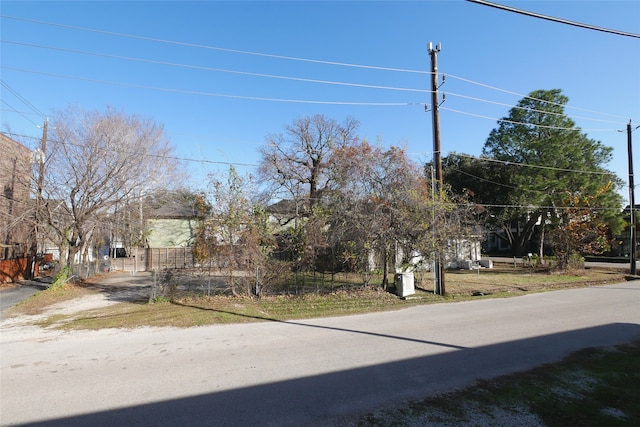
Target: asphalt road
[
  {"x": 299, "y": 373},
  {"x": 20, "y": 292}
]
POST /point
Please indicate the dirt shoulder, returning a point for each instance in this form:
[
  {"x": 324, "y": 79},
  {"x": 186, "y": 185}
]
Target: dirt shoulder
[{"x": 97, "y": 292}]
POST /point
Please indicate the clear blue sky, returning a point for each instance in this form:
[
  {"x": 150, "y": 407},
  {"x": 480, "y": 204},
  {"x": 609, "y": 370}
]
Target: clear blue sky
[{"x": 483, "y": 49}]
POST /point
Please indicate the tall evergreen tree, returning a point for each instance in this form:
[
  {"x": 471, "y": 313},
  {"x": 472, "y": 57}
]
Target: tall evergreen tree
[{"x": 531, "y": 161}]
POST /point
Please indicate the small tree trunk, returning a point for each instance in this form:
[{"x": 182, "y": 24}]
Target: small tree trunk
[
  {"x": 385, "y": 268},
  {"x": 541, "y": 246}
]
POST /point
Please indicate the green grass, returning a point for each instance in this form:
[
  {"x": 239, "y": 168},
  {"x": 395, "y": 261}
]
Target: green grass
[{"x": 592, "y": 387}]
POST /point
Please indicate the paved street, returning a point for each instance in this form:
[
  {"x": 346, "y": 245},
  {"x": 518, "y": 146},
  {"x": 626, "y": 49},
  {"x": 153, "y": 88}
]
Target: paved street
[
  {"x": 312, "y": 372},
  {"x": 15, "y": 294}
]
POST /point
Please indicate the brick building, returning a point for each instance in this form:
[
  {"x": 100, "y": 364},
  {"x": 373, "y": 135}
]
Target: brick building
[{"x": 16, "y": 218}]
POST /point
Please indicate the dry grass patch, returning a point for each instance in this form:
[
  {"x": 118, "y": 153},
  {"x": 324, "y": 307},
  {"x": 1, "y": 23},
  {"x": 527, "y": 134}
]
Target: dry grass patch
[
  {"x": 188, "y": 311},
  {"x": 40, "y": 302},
  {"x": 199, "y": 311},
  {"x": 504, "y": 280}
]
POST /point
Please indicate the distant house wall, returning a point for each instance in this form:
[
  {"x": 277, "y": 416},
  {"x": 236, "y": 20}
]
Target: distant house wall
[
  {"x": 12, "y": 270},
  {"x": 171, "y": 232},
  {"x": 15, "y": 180},
  {"x": 459, "y": 252}
]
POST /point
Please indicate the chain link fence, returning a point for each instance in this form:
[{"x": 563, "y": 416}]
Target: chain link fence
[{"x": 177, "y": 283}]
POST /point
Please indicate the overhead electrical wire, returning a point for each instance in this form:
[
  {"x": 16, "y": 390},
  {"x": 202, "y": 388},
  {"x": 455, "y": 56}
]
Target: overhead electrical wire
[
  {"x": 554, "y": 19},
  {"x": 22, "y": 99},
  {"x": 327, "y": 102},
  {"x": 529, "y": 97},
  {"x": 295, "y": 79},
  {"x": 552, "y": 168},
  {"x": 215, "y": 162},
  {"x": 288, "y": 58},
  {"x": 360, "y": 85},
  {"x": 302, "y": 101},
  {"x": 504, "y": 104},
  {"x": 19, "y": 112},
  {"x": 14, "y": 110},
  {"x": 458, "y": 204},
  {"x": 220, "y": 70},
  {"x": 505, "y": 120},
  {"x": 222, "y": 49},
  {"x": 552, "y": 207},
  {"x": 185, "y": 159},
  {"x": 499, "y": 184},
  {"x": 191, "y": 92},
  {"x": 508, "y": 163}
]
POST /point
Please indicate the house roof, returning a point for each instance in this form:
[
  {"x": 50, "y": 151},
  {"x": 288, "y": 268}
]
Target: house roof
[
  {"x": 283, "y": 207},
  {"x": 172, "y": 210},
  {"x": 171, "y": 205}
]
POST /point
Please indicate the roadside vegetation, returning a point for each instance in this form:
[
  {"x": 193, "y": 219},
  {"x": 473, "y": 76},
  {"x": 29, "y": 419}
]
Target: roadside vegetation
[
  {"x": 347, "y": 297},
  {"x": 322, "y": 198}
]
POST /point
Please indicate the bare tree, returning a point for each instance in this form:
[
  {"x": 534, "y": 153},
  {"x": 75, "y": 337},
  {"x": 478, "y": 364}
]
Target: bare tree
[
  {"x": 94, "y": 161},
  {"x": 380, "y": 201},
  {"x": 234, "y": 235},
  {"x": 295, "y": 167},
  {"x": 295, "y": 164}
]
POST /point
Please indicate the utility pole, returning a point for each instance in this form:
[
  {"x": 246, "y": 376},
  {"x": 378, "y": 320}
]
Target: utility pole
[
  {"x": 41, "y": 158},
  {"x": 437, "y": 157},
  {"x": 632, "y": 206}
]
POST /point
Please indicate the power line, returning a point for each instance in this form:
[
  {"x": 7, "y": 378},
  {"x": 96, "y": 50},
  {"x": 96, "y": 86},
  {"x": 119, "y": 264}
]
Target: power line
[
  {"x": 23, "y": 99},
  {"x": 529, "y": 97},
  {"x": 554, "y": 19},
  {"x": 185, "y": 159},
  {"x": 523, "y": 123},
  {"x": 301, "y": 101},
  {"x": 552, "y": 207},
  {"x": 500, "y": 184},
  {"x": 304, "y": 101},
  {"x": 472, "y": 98},
  {"x": 190, "y": 92},
  {"x": 19, "y": 112},
  {"x": 220, "y": 70},
  {"x": 214, "y": 162},
  {"x": 222, "y": 49},
  {"x": 295, "y": 78},
  {"x": 22, "y": 136},
  {"x": 14, "y": 110},
  {"x": 359, "y": 85},
  {"x": 510, "y": 163},
  {"x": 318, "y": 61}
]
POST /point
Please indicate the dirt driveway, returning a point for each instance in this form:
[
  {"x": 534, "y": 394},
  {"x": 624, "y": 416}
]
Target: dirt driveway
[
  {"x": 122, "y": 287},
  {"x": 107, "y": 289}
]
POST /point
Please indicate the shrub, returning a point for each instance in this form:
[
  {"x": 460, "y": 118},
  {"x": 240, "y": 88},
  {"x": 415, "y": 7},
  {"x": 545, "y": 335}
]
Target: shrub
[{"x": 63, "y": 276}]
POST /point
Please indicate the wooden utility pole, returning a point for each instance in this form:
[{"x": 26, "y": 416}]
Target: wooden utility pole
[
  {"x": 632, "y": 207},
  {"x": 435, "y": 109},
  {"x": 437, "y": 158}
]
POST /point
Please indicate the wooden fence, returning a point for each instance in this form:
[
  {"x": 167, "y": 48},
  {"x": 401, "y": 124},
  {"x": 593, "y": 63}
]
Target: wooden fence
[{"x": 149, "y": 259}]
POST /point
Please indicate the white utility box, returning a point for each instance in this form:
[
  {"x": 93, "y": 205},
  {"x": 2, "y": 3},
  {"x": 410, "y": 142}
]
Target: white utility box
[{"x": 404, "y": 284}]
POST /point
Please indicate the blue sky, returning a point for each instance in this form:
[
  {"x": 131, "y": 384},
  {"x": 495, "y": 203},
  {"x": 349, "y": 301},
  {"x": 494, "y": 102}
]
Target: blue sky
[{"x": 223, "y": 116}]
